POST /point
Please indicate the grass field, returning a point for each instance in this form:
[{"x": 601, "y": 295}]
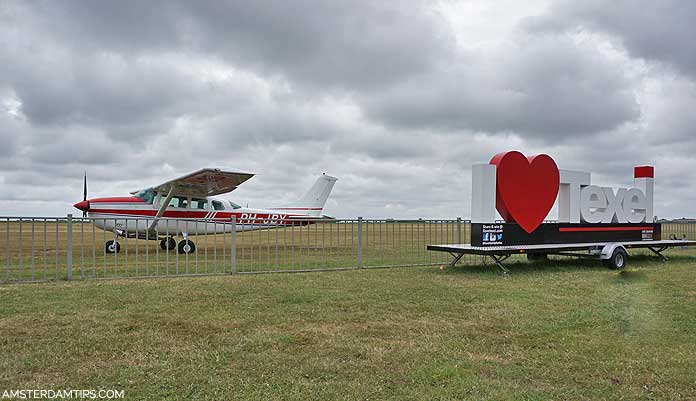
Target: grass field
[{"x": 565, "y": 329}]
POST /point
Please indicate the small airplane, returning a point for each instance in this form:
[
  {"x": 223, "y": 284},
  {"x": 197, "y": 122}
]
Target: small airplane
[{"x": 186, "y": 206}]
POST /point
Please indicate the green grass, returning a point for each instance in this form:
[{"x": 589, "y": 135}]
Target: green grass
[{"x": 565, "y": 329}]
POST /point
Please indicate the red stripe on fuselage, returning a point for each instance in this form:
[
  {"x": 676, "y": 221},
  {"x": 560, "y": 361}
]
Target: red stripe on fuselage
[
  {"x": 182, "y": 214},
  {"x": 197, "y": 214},
  {"x": 127, "y": 199},
  {"x": 296, "y": 208}
]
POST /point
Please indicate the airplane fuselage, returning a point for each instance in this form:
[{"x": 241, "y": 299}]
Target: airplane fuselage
[{"x": 132, "y": 215}]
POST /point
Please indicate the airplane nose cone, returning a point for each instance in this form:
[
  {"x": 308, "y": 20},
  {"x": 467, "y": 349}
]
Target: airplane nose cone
[{"x": 84, "y": 206}]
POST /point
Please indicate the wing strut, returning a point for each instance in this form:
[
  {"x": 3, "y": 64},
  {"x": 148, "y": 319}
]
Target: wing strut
[{"x": 163, "y": 206}]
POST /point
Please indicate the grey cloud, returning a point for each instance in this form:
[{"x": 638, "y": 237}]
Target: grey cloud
[
  {"x": 654, "y": 30},
  {"x": 669, "y": 113},
  {"x": 77, "y": 146},
  {"x": 545, "y": 86},
  {"x": 276, "y": 123},
  {"x": 343, "y": 43},
  {"x": 8, "y": 134},
  {"x": 376, "y": 94},
  {"x": 104, "y": 89}
]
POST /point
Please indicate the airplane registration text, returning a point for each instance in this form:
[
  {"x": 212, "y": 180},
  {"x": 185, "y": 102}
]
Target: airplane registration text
[{"x": 256, "y": 218}]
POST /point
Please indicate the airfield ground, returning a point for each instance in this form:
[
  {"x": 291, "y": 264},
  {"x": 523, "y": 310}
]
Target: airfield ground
[{"x": 566, "y": 329}]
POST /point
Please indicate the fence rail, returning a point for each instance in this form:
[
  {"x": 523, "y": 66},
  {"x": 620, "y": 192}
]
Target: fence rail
[{"x": 71, "y": 248}]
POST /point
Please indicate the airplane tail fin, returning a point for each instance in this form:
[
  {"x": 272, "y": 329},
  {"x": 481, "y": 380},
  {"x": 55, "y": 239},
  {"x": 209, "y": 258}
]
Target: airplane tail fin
[{"x": 314, "y": 200}]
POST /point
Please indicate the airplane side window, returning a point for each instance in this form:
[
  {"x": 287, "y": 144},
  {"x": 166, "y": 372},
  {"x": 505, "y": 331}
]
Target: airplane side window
[
  {"x": 234, "y": 205},
  {"x": 178, "y": 201},
  {"x": 217, "y": 205},
  {"x": 199, "y": 203}
]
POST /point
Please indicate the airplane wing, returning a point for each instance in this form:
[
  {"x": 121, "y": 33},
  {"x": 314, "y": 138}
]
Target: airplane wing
[
  {"x": 205, "y": 182},
  {"x": 199, "y": 184}
]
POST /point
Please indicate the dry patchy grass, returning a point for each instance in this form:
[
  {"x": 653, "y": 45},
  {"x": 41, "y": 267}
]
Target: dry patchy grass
[{"x": 558, "y": 330}]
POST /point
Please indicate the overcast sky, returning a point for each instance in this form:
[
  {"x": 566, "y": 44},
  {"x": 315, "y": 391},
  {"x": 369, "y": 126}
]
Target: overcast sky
[{"x": 396, "y": 99}]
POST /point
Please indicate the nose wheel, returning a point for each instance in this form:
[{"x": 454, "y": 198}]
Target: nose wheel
[
  {"x": 112, "y": 246},
  {"x": 186, "y": 247},
  {"x": 168, "y": 244}
]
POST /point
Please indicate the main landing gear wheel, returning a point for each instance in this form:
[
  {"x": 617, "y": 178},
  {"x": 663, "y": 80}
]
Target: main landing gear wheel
[
  {"x": 112, "y": 246},
  {"x": 186, "y": 247},
  {"x": 168, "y": 244},
  {"x": 618, "y": 259}
]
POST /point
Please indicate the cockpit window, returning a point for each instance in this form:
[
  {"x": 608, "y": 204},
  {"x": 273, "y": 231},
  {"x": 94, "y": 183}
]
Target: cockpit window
[
  {"x": 146, "y": 195},
  {"x": 234, "y": 205},
  {"x": 217, "y": 205}
]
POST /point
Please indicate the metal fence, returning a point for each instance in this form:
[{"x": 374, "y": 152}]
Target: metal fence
[{"x": 68, "y": 248}]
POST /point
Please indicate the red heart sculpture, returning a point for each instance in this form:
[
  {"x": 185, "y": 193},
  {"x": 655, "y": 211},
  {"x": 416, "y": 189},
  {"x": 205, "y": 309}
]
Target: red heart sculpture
[{"x": 526, "y": 187}]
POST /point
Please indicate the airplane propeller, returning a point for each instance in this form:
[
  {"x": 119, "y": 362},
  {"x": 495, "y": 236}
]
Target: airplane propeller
[
  {"x": 84, "y": 205},
  {"x": 84, "y": 194}
]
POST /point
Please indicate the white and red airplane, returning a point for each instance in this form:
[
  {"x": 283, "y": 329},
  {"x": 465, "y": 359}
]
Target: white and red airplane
[{"x": 185, "y": 206}]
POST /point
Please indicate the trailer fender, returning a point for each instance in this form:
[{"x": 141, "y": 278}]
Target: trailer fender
[{"x": 608, "y": 250}]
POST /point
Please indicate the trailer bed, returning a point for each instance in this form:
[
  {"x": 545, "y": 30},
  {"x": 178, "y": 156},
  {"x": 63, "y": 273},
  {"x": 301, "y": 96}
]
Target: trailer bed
[
  {"x": 514, "y": 249},
  {"x": 500, "y": 253}
]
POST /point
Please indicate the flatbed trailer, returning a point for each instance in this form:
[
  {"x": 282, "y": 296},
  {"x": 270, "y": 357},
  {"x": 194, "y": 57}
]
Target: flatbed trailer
[{"x": 613, "y": 254}]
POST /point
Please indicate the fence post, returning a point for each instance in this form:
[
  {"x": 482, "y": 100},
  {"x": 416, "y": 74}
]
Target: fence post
[
  {"x": 360, "y": 259},
  {"x": 233, "y": 250},
  {"x": 70, "y": 247},
  {"x": 459, "y": 230}
]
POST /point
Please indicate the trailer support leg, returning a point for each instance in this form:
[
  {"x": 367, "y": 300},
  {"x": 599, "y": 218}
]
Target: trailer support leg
[
  {"x": 499, "y": 262},
  {"x": 456, "y": 257},
  {"x": 658, "y": 252}
]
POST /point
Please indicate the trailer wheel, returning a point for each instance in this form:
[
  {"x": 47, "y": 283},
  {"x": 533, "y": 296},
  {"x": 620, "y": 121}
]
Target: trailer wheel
[
  {"x": 537, "y": 256},
  {"x": 618, "y": 259},
  {"x": 186, "y": 247}
]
